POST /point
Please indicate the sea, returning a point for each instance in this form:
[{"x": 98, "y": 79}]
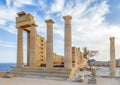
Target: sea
[{"x": 7, "y": 66}]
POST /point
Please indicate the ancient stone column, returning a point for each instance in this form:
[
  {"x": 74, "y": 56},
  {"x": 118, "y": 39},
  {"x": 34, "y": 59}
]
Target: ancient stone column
[
  {"x": 68, "y": 44},
  {"x": 49, "y": 46},
  {"x": 20, "y": 47},
  {"x": 28, "y": 48},
  {"x": 112, "y": 57},
  {"x": 33, "y": 45}
]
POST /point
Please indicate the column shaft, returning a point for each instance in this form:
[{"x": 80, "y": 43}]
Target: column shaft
[
  {"x": 20, "y": 47},
  {"x": 33, "y": 45},
  {"x": 49, "y": 45},
  {"x": 68, "y": 44},
  {"x": 112, "y": 57}
]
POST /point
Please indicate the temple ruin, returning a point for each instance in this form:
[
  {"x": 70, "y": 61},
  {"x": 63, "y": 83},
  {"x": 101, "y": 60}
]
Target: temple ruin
[
  {"x": 41, "y": 60},
  {"x": 40, "y": 50}
]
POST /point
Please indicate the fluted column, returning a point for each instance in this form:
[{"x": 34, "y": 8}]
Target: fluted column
[
  {"x": 49, "y": 46},
  {"x": 33, "y": 45},
  {"x": 112, "y": 57},
  {"x": 20, "y": 47},
  {"x": 67, "y": 43}
]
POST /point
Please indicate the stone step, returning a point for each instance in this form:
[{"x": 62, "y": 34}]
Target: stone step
[
  {"x": 41, "y": 77},
  {"x": 37, "y": 70},
  {"x": 41, "y": 74}
]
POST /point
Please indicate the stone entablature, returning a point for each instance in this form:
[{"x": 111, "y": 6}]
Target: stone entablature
[{"x": 24, "y": 20}]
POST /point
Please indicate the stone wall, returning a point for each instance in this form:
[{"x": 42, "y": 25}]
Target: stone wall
[
  {"x": 58, "y": 59},
  {"x": 41, "y": 51},
  {"x": 78, "y": 59}
]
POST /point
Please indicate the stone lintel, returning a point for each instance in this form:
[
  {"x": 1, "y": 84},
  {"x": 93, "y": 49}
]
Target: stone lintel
[
  {"x": 67, "y": 17},
  {"x": 49, "y": 21}
]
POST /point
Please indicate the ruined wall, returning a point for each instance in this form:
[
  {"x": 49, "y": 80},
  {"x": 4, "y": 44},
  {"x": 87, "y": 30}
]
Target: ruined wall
[
  {"x": 41, "y": 51},
  {"x": 78, "y": 59},
  {"x": 58, "y": 59}
]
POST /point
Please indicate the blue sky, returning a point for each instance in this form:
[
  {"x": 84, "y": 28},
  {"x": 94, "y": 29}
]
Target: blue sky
[{"x": 93, "y": 22}]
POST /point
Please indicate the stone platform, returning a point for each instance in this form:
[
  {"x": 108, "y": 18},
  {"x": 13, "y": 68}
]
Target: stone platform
[{"x": 42, "y": 72}]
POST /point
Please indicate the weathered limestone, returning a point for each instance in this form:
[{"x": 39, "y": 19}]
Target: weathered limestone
[
  {"x": 23, "y": 22},
  {"x": 112, "y": 57},
  {"x": 68, "y": 44},
  {"x": 75, "y": 56},
  {"x": 33, "y": 46},
  {"x": 20, "y": 47},
  {"x": 57, "y": 59},
  {"x": 49, "y": 46},
  {"x": 78, "y": 60},
  {"x": 42, "y": 51}
]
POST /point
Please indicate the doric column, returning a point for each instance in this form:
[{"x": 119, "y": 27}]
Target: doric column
[
  {"x": 49, "y": 46},
  {"x": 20, "y": 47},
  {"x": 33, "y": 45},
  {"x": 68, "y": 44},
  {"x": 28, "y": 48},
  {"x": 112, "y": 57}
]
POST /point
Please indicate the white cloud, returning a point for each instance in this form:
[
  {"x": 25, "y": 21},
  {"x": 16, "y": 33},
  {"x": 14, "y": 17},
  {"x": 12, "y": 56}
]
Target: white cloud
[
  {"x": 42, "y": 4},
  {"x": 8, "y": 3},
  {"x": 11, "y": 28},
  {"x": 7, "y": 44},
  {"x": 2, "y": 21},
  {"x": 89, "y": 26},
  {"x": 8, "y": 14},
  {"x": 19, "y": 3},
  {"x": 57, "y": 6},
  {"x": 7, "y": 17}
]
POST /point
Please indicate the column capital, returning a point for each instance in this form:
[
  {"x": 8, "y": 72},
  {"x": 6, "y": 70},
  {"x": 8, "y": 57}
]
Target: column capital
[
  {"x": 67, "y": 17},
  {"x": 49, "y": 21},
  {"x": 112, "y": 38}
]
